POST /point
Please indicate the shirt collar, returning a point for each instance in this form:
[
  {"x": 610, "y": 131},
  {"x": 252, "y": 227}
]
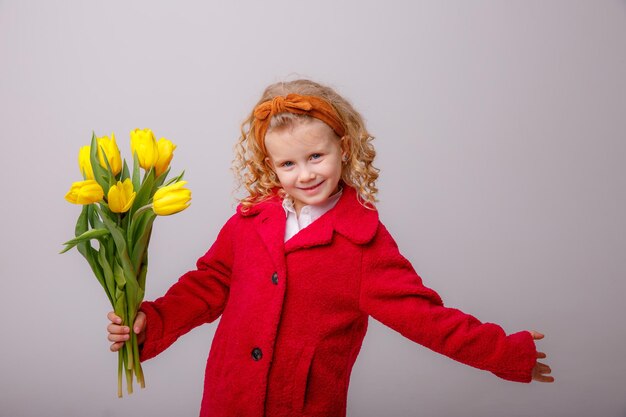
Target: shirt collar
[
  {"x": 315, "y": 210},
  {"x": 349, "y": 218}
]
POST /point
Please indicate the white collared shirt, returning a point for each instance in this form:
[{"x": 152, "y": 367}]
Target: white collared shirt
[{"x": 308, "y": 214}]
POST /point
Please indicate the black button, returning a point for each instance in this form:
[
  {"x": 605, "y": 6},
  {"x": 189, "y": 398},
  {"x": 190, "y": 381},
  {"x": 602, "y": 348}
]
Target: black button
[
  {"x": 257, "y": 354},
  {"x": 275, "y": 278}
]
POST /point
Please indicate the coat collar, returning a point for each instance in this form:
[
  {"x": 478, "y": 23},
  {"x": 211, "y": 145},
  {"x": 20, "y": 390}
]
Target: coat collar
[{"x": 349, "y": 218}]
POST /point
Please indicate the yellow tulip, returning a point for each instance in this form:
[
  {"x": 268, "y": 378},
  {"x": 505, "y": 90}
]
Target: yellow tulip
[
  {"x": 171, "y": 199},
  {"x": 112, "y": 153},
  {"x": 85, "y": 192},
  {"x": 143, "y": 143},
  {"x": 121, "y": 196},
  {"x": 166, "y": 152},
  {"x": 84, "y": 163}
]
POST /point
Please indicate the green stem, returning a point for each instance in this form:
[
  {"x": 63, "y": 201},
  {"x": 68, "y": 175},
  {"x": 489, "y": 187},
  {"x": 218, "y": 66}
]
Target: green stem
[
  {"x": 120, "y": 367},
  {"x": 137, "y": 368},
  {"x": 129, "y": 381},
  {"x": 127, "y": 370},
  {"x": 140, "y": 211}
]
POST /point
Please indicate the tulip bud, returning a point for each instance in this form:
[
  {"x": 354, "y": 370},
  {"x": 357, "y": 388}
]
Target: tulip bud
[
  {"x": 143, "y": 143},
  {"x": 166, "y": 152},
  {"x": 121, "y": 196},
  {"x": 171, "y": 199},
  {"x": 112, "y": 153},
  {"x": 85, "y": 192},
  {"x": 84, "y": 163}
]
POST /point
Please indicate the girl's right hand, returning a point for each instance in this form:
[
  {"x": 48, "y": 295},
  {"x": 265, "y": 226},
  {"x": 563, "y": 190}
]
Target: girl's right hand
[{"x": 119, "y": 334}]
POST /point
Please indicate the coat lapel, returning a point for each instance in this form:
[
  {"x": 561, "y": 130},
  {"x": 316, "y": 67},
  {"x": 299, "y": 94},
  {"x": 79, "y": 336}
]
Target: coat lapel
[
  {"x": 271, "y": 228},
  {"x": 349, "y": 218},
  {"x": 269, "y": 223}
]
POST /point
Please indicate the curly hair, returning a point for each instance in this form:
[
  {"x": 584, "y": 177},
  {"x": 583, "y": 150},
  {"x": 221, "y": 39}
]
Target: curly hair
[{"x": 256, "y": 175}]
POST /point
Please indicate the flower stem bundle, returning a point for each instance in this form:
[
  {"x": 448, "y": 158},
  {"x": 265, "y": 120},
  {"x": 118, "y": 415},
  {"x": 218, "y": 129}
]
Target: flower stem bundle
[{"x": 119, "y": 208}]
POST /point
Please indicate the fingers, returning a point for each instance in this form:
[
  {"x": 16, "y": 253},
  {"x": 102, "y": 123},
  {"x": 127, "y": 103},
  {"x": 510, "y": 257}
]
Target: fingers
[
  {"x": 542, "y": 378},
  {"x": 117, "y": 332},
  {"x": 140, "y": 322},
  {"x": 541, "y": 373},
  {"x": 114, "y": 318},
  {"x": 543, "y": 368}
]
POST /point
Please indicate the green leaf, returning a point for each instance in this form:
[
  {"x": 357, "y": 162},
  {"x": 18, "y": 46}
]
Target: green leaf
[
  {"x": 131, "y": 299},
  {"x": 144, "y": 194},
  {"x": 100, "y": 174},
  {"x": 141, "y": 277},
  {"x": 136, "y": 174},
  {"x": 91, "y": 257},
  {"x": 82, "y": 223},
  {"x": 125, "y": 172},
  {"x": 88, "y": 235},
  {"x": 88, "y": 252},
  {"x": 161, "y": 178},
  {"x": 111, "y": 175},
  {"x": 104, "y": 208},
  {"x": 176, "y": 179},
  {"x": 110, "y": 244},
  {"x": 120, "y": 244},
  {"x": 94, "y": 219},
  {"x": 120, "y": 306},
  {"x": 120, "y": 279},
  {"x": 136, "y": 187},
  {"x": 108, "y": 273},
  {"x": 142, "y": 239}
]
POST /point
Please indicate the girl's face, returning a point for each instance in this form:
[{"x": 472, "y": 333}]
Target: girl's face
[{"x": 306, "y": 158}]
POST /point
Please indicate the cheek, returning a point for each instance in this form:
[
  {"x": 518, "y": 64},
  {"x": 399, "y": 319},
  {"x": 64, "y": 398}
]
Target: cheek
[
  {"x": 333, "y": 168},
  {"x": 284, "y": 178}
]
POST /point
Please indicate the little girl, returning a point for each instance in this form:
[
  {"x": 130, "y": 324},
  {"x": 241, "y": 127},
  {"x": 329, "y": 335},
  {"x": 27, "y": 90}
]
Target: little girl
[{"x": 295, "y": 273}]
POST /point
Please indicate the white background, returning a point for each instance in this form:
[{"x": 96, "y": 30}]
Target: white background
[{"x": 500, "y": 135}]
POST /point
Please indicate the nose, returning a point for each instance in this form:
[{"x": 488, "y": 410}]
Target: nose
[{"x": 305, "y": 175}]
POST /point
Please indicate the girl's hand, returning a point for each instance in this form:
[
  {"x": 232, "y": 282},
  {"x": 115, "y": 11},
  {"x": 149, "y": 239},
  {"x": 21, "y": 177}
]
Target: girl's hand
[
  {"x": 119, "y": 334},
  {"x": 541, "y": 370}
]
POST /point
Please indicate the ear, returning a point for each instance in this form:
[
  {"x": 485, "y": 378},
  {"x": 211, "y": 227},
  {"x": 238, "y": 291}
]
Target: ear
[{"x": 344, "y": 143}]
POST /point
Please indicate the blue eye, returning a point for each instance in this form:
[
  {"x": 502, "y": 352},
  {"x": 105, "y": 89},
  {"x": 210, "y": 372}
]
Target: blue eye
[
  {"x": 286, "y": 164},
  {"x": 316, "y": 156}
]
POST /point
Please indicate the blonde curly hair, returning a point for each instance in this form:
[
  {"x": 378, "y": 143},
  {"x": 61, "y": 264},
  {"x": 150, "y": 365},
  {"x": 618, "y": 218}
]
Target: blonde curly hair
[{"x": 256, "y": 175}]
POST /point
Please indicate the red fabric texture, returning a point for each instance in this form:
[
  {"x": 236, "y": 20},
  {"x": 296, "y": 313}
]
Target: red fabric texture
[{"x": 294, "y": 314}]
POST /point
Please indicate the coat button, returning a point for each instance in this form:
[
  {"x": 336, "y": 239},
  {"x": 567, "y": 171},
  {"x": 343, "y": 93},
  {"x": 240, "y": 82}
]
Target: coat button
[
  {"x": 257, "y": 354},
  {"x": 275, "y": 278}
]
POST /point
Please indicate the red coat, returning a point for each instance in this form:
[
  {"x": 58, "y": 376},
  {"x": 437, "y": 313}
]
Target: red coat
[{"x": 294, "y": 314}]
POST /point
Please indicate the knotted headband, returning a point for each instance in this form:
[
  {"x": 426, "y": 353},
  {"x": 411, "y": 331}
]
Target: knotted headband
[{"x": 294, "y": 103}]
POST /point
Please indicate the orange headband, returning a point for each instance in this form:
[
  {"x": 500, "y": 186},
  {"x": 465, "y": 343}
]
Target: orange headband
[{"x": 294, "y": 103}]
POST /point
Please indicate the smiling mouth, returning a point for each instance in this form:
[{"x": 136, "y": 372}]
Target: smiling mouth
[{"x": 313, "y": 187}]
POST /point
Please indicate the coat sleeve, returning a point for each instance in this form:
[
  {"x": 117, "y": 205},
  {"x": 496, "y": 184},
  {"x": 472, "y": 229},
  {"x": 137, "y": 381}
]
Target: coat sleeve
[
  {"x": 393, "y": 293},
  {"x": 198, "y": 297}
]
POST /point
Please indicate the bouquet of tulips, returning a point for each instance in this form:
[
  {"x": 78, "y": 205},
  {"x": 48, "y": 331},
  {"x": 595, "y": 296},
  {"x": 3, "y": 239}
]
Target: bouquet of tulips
[{"x": 119, "y": 208}]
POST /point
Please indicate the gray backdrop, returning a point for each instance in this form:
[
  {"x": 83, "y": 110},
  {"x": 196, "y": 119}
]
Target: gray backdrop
[{"x": 500, "y": 135}]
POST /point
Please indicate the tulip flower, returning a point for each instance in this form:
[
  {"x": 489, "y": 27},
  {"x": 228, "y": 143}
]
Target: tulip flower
[
  {"x": 121, "y": 221},
  {"x": 143, "y": 143},
  {"x": 112, "y": 153},
  {"x": 121, "y": 196},
  {"x": 85, "y": 192},
  {"x": 84, "y": 163},
  {"x": 171, "y": 199},
  {"x": 166, "y": 152}
]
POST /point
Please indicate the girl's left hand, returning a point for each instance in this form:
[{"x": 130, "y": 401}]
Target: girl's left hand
[{"x": 541, "y": 371}]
